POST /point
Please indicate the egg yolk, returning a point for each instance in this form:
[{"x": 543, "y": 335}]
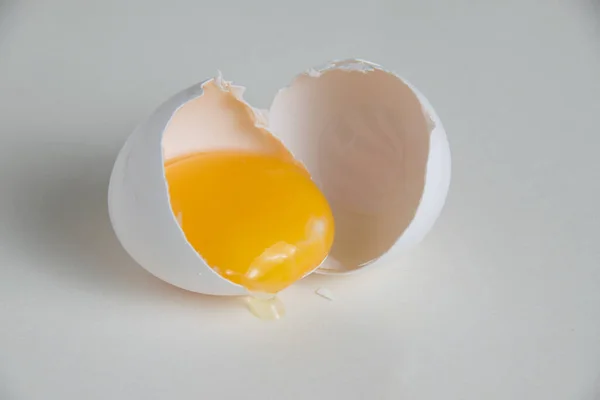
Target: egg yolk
[{"x": 257, "y": 220}]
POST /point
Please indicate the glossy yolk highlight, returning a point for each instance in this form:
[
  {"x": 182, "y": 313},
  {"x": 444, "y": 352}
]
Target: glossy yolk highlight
[{"x": 257, "y": 220}]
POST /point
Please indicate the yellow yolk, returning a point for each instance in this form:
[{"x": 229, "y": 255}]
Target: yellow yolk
[{"x": 257, "y": 220}]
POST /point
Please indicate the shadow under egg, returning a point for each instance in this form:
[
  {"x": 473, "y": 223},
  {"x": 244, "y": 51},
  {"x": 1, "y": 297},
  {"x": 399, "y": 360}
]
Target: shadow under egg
[{"x": 58, "y": 223}]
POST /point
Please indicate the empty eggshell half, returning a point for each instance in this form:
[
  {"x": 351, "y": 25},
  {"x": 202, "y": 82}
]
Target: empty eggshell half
[
  {"x": 377, "y": 150},
  {"x": 371, "y": 142}
]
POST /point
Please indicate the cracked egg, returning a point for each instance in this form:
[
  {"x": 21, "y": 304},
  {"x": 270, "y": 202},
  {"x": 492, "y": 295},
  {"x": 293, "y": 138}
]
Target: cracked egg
[{"x": 349, "y": 166}]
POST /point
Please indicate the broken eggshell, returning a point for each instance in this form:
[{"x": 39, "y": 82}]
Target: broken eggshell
[
  {"x": 376, "y": 148},
  {"x": 371, "y": 142}
]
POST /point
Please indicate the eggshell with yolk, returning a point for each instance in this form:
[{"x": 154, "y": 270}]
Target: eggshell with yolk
[{"x": 371, "y": 141}]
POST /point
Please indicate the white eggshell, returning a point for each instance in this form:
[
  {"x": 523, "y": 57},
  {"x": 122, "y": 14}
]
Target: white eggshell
[
  {"x": 376, "y": 148},
  {"x": 138, "y": 194},
  {"x": 140, "y": 211}
]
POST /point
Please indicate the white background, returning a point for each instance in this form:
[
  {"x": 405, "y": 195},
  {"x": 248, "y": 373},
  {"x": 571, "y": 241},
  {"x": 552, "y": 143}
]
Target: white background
[{"x": 501, "y": 301}]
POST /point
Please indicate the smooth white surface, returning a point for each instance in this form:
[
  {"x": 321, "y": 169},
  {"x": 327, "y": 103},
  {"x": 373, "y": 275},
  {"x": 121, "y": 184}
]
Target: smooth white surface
[{"x": 501, "y": 301}]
